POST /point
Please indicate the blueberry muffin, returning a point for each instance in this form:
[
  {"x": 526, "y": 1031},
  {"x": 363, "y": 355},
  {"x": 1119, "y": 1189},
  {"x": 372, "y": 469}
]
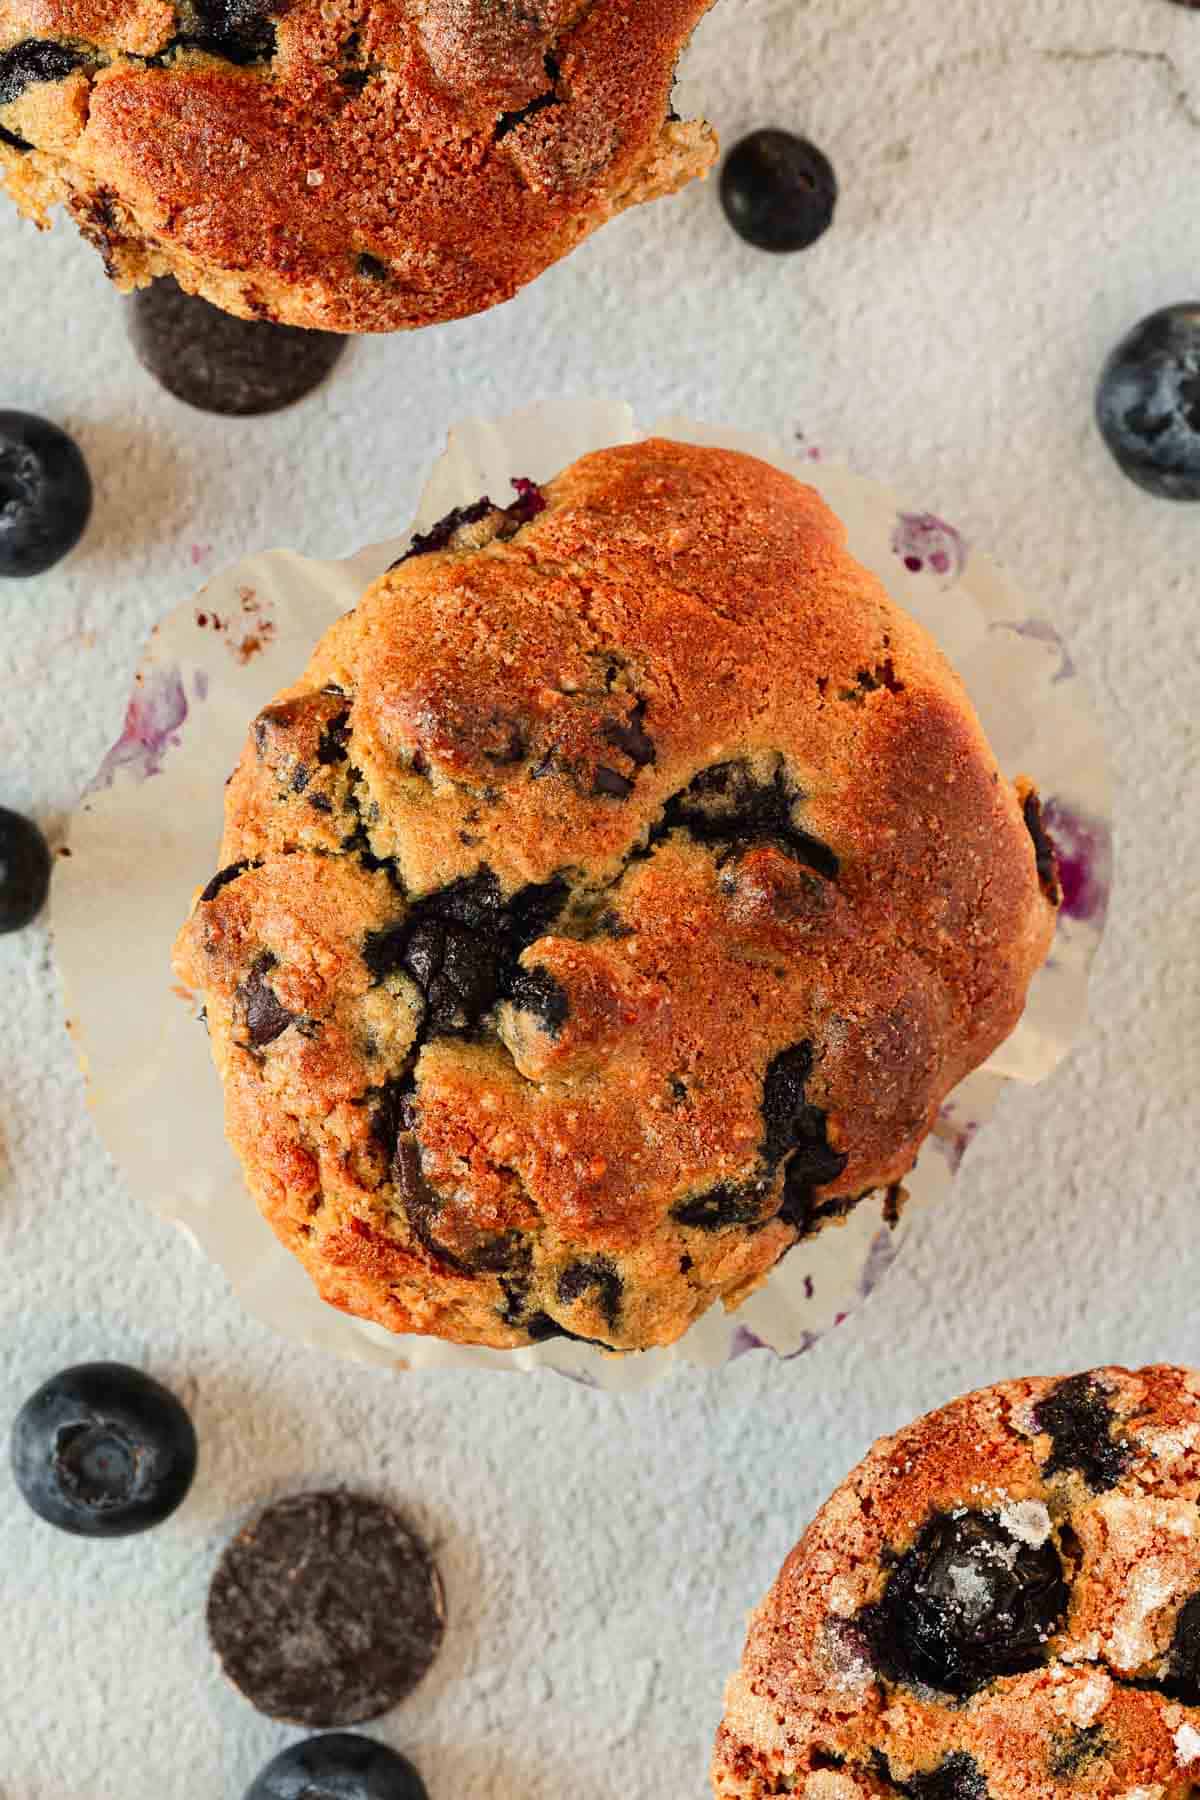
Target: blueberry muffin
[
  {"x": 610, "y": 905},
  {"x": 333, "y": 164},
  {"x": 1002, "y": 1600}
]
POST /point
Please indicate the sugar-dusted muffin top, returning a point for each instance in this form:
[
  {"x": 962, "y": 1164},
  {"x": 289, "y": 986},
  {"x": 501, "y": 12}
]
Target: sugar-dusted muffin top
[
  {"x": 358, "y": 165},
  {"x": 611, "y": 903},
  {"x": 1002, "y": 1601}
]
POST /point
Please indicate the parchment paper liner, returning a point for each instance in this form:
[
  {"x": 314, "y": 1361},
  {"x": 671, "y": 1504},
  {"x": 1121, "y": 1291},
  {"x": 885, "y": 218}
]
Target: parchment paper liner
[{"x": 146, "y": 836}]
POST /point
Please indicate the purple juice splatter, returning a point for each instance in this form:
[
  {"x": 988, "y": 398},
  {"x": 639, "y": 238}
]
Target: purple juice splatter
[
  {"x": 953, "y": 1139},
  {"x": 923, "y": 541},
  {"x": 578, "y": 1377},
  {"x": 1083, "y": 846},
  {"x": 744, "y": 1340},
  {"x": 200, "y": 684},
  {"x": 157, "y": 709},
  {"x": 1043, "y": 633},
  {"x": 880, "y": 1257}
]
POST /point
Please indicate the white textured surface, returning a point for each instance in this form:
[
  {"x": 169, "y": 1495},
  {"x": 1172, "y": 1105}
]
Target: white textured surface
[{"x": 1016, "y": 192}]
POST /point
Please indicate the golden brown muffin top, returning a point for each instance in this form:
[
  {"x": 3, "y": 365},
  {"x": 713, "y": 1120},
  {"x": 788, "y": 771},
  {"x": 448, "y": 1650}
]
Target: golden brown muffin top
[
  {"x": 646, "y": 869},
  {"x": 358, "y": 165},
  {"x": 1002, "y": 1600}
]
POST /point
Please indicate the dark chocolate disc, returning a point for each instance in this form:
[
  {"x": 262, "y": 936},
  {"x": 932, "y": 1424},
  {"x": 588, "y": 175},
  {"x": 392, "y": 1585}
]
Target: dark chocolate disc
[
  {"x": 326, "y": 1610},
  {"x": 220, "y": 364}
]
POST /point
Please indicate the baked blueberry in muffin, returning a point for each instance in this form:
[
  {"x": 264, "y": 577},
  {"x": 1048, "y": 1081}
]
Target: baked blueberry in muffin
[
  {"x": 353, "y": 167},
  {"x": 1003, "y": 1599},
  {"x": 608, "y": 907}
]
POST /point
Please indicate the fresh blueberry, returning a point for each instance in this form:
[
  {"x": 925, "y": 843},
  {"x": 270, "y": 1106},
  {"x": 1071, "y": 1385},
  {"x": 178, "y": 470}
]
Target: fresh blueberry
[
  {"x": 24, "y": 870},
  {"x": 338, "y": 1765},
  {"x": 102, "y": 1450},
  {"x": 1148, "y": 403},
  {"x": 45, "y": 494},
  {"x": 778, "y": 190}
]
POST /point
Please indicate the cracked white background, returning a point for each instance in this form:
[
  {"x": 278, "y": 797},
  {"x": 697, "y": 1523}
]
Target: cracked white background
[{"x": 1018, "y": 187}]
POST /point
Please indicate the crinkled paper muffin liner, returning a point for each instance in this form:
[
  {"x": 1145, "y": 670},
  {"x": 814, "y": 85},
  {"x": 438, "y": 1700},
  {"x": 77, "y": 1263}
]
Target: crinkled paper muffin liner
[{"x": 146, "y": 835}]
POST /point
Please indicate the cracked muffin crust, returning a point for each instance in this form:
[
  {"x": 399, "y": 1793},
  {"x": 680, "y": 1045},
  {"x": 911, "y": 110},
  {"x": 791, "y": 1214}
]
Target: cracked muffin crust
[
  {"x": 354, "y": 165},
  {"x": 1002, "y": 1600},
  {"x": 609, "y": 906}
]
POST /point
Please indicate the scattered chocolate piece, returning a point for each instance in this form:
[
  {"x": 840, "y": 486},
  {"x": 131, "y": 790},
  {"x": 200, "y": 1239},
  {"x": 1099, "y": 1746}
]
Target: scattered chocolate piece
[
  {"x": 219, "y": 364},
  {"x": 327, "y": 1610}
]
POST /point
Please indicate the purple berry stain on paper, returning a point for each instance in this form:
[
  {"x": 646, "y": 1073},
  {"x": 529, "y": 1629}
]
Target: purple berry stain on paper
[
  {"x": 953, "y": 1136},
  {"x": 1083, "y": 847},
  {"x": 743, "y": 1341},
  {"x": 880, "y": 1257},
  {"x": 154, "y": 718},
  {"x": 1042, "y": 632},
  {"x": 923, "y": 542}
]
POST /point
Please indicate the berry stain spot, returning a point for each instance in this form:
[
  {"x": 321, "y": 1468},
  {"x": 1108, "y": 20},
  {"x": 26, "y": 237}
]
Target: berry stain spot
[
  {"x": 154, "y": 719},
  {"x": 922, "y": 541}
]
